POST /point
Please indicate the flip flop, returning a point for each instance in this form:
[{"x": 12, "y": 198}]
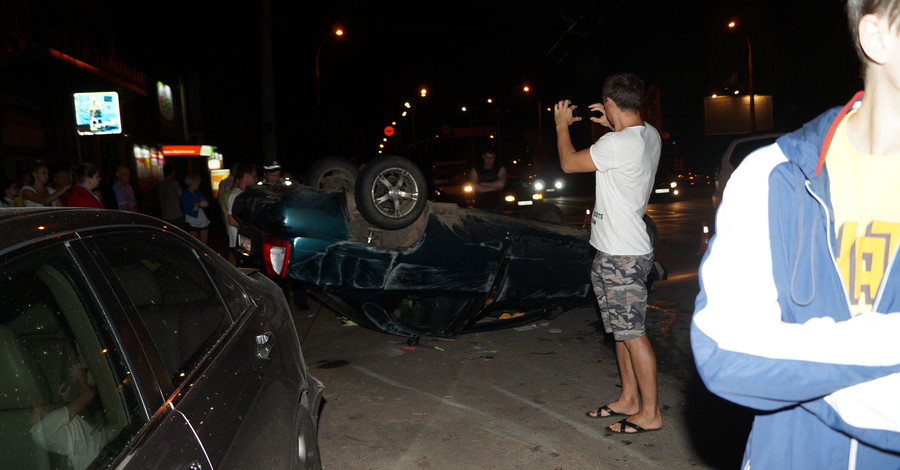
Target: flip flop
[
  {"x": 607, "y": 409},
  {"x": 625, "y": 424}
]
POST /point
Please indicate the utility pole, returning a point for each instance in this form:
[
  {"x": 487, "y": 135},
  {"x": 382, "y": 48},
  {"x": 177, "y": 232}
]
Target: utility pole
[{"x": 269, "y": 144}]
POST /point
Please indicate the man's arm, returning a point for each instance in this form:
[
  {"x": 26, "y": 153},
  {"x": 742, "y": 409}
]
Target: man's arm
[
  {"x": 743, "y": 349},
  {"x": 496, "y": 185},
  {"x": 570, "y": 160},
  {"x": 85, "y": 395},
  {"x": 231, "y": 220}
]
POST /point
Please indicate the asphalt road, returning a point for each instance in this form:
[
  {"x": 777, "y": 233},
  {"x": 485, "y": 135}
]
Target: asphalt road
[{"x": 515, "y": 399}]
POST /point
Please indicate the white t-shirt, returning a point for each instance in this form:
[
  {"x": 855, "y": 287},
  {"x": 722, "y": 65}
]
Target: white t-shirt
[
  {"x": 232, "y": 230},
  {"x": 27, "y": 203},
  {"x": 73, "y": 437},
  {"x": 626, "y": 164}
]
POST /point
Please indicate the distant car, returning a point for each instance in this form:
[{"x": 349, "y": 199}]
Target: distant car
[
  {"x": 665, "y": 188},
  {"x": 549, "y": 185},
  {"x": 168, "y": 355},
  {"x": 449, "y": 182},
  {"x": 735, "y": 154},
  {"x": 392, "y": 261},
  {"x": 521, "y": 192}
]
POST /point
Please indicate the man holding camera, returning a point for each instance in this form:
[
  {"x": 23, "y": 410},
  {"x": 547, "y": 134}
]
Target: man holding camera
[{"x": 625, "y": 162}]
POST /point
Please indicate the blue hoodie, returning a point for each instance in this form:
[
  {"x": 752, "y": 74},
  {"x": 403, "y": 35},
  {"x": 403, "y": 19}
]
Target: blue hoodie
[{"x": 772, "y": 328}]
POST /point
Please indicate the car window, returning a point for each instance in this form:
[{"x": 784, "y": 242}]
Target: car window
[
  {"x": 235, "y": 297},
  {"x": 746, "y": 148},
  {"x": 65, "y": 393},
  {"x": 175, "y": 298}
]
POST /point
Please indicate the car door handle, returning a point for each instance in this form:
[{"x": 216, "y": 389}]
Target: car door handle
[{"x": 264, "y": 344}]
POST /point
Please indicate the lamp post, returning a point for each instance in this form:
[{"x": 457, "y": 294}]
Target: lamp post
[
  {"x": 537, "y": 154},
  {"x": 733, "y": 25},
  {"x": 338, "y": 31}
]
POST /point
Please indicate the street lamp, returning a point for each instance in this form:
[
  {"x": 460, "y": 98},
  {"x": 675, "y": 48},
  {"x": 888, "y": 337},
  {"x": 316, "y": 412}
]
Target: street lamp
[
  {"x": 537, "y": 155},
  {"x": 733, "y": 26},
  {"x": 337, "y": 31}
]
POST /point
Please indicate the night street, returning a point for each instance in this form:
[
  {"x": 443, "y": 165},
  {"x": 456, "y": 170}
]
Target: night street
[
  {"x": 177, "y": 176},
  {"x": 516, "y": 398}
]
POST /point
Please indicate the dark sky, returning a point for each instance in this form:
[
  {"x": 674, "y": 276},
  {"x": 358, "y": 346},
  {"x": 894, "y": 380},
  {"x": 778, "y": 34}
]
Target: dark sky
[{"x": 464, "y": 51}]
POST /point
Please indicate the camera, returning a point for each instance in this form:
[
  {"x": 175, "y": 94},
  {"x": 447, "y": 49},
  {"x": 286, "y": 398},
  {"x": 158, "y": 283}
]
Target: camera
[{"x": 585, "y": 112}]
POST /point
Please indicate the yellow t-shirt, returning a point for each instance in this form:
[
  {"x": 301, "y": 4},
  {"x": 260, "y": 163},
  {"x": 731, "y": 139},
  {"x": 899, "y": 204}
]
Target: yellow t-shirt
[{"x": 865, "y": 194}]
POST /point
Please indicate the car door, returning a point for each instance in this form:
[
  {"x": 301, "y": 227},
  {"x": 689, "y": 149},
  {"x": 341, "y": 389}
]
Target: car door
[
  {"x": 61, "y": 339},
  {"x": 203, "y": 323}
]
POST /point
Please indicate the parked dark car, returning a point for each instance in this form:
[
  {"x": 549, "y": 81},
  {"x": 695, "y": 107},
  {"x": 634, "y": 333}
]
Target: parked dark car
[
  {"x": 128, "y": 344},
  {"x": 388, "y": 259}
]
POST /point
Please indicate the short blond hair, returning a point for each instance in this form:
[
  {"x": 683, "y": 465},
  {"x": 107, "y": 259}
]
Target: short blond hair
[{"x": 191, "y": 178}]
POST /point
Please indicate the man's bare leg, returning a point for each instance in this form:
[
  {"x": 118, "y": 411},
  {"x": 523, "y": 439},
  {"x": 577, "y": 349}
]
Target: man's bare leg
[
  {"x": 637, "y": 367},
  {"x": 629, "y": 401}
]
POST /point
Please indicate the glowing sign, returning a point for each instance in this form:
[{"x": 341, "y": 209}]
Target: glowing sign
[{"x": 97, "y": 113}]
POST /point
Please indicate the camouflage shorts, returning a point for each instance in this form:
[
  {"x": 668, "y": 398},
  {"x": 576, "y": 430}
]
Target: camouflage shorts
[{"x": 619, "y": 284}]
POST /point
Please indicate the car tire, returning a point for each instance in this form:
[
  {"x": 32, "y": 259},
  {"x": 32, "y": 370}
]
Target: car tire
[
  {"x": 306, "y": 456},
  {"x": 332, "y": 174},
  {"x": 546, "y": 212},
  {"x": 391, "y": 192}
]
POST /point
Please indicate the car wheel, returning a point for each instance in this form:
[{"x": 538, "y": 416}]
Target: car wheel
[
  {"x": 332, "y": 174},
  {"x": 306, "y": 455},
  {"x": 390, "y": 192},
  {"x": 546, "y": 212}
]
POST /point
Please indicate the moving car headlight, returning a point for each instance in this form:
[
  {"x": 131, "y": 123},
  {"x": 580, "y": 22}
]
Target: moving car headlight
[
  {"x": 559, "y": 183},
  {"x": 539, "y": 185}
]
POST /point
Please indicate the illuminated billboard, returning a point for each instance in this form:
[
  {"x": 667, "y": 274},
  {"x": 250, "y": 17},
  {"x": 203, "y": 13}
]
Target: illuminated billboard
[{"x": 98, "y": 113}]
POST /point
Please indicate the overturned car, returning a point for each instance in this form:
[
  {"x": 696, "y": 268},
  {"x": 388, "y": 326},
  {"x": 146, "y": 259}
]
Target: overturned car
[{"x": 373, "y": 248}]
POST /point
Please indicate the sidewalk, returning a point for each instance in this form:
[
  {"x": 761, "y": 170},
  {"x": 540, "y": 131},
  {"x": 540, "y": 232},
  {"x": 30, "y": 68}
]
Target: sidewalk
[{"x": 507, "y": 399}]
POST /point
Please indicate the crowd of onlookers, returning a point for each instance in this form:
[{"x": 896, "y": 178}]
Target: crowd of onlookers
[
  {"x": 182, "y": 203},
  {"x": 80, "y": 186}
]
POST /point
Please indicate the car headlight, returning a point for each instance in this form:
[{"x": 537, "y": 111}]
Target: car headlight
[
  {"x": 509, "y": 198},
  {"x": 539, "y": 185},
  {"x": 559, "y": 183},
  {"x": 468, "y": 188},
  {"x": 673, "y": 184}
]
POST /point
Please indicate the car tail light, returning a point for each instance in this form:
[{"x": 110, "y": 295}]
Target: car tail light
[{"x": 276, "y": 255}]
